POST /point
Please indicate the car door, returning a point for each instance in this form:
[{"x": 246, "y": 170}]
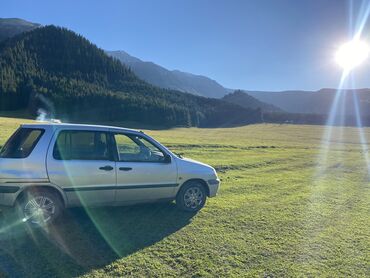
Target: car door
[
  {"x": 144, "y": 171},
  {"x": 81, "y": 163}
]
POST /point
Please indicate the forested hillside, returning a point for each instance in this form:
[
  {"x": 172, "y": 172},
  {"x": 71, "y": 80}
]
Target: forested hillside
[
  {"x": 62, "y": 72},
  {"x": 243, "y": 99}
]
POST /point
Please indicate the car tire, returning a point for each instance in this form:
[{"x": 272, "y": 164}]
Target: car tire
[
  {"x": 39, "y": 208},
  {"x": 191, "y": 197}
]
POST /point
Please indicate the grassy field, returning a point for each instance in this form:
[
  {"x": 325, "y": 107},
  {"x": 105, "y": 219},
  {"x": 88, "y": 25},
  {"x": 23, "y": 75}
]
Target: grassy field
[{"x": 283, "y": 211}]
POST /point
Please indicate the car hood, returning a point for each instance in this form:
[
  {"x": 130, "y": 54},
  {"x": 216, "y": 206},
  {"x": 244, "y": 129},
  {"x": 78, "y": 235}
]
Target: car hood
[{"x": 196, "y": 164}]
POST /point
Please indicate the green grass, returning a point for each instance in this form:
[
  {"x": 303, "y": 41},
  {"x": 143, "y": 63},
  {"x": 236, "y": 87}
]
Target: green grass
[{"x": 281, "y": 212}]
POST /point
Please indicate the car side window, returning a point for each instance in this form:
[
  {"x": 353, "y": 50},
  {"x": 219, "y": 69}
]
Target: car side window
[
  {"x": 134, "y": 148},
  {"x": 81, "y": 145}
]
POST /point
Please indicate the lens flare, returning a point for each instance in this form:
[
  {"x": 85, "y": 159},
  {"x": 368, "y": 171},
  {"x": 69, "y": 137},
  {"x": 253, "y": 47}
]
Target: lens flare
[{"x": 352, "y": 54}]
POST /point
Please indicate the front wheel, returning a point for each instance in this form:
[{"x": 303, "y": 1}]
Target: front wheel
[
  {"x": 191, "y": 197},
  {"x": 39, "y": 207}
]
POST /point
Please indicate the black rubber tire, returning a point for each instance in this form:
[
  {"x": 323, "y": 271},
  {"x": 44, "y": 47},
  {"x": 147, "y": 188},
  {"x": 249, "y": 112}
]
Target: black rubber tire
[
  {"x": 180, "y": 198},
  {"x": 35, "y": 193}
]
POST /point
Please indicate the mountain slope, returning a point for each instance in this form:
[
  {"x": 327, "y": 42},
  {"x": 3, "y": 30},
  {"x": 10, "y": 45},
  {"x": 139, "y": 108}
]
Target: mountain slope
[
  {"x": 10, "y": 27},
  {"x": 176, "y": 80},
  {"x": 318, "y": 102},
  {"x": 243, "y": 99},
  {"x": 57, "y": 70}
]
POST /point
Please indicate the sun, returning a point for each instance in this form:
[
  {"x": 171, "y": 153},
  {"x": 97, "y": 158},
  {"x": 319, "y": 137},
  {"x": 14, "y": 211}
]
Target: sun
[{"x": 352, "y": 54}]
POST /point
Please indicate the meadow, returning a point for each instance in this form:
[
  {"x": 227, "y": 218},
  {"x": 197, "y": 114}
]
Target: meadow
[{"x": 287, "y": 207}]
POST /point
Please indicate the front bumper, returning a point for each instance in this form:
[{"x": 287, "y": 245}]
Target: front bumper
[{"x": 213, "y": 186}]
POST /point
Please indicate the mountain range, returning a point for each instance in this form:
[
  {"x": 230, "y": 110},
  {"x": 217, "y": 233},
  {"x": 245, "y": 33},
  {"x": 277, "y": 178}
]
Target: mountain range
[
  {"x": 173, "y": 85},
  {"x": 10, "y": 27},
  {"x": 317, "y": 102},
  {"x": 297, "y": 101},
  {"x": 148, "y": 71},
  {"x": 171, "y": 79},
  {"x": 61, "y": 72}
]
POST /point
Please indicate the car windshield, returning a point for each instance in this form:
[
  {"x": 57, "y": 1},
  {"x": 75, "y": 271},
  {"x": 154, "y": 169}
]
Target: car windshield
[{"x": 21, "y": 144}]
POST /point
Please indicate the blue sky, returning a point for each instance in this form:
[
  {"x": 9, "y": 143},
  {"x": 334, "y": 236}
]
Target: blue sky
[{"x": 254, "y": 45}]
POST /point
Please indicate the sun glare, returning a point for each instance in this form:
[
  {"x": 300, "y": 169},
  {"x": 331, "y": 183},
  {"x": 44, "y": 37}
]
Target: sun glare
[{"x": 352, "y": 54}]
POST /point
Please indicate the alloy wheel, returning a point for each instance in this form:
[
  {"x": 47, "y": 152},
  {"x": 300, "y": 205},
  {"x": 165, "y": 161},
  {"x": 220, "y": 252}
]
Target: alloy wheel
[
  {"x": 193, "y": 197},
  {"x": 39, "y": 210}
]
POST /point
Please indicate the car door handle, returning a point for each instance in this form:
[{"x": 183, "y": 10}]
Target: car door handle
[
  {"x": 106, "y": 168},
  {"x": 125, "y": 168}
]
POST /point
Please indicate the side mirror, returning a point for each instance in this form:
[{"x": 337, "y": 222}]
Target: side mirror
[{"x": 167, "y": 158}]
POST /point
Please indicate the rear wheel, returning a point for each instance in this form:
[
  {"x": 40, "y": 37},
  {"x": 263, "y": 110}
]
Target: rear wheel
[
  {"x": 191, "y": 197},
  {"x": 39, "y": 207}
]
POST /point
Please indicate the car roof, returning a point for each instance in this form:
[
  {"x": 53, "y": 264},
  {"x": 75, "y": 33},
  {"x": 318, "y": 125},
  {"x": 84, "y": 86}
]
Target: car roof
[{"x": 51, "y": 125}]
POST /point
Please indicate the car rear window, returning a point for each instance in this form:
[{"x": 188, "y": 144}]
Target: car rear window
[{"x": 22, "y": 143}]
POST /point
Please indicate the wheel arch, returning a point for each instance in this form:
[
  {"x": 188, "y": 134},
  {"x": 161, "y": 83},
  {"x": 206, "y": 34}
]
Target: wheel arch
[
  {"x": 201, "y": 181},
  {"x": 49, "y": 188}
]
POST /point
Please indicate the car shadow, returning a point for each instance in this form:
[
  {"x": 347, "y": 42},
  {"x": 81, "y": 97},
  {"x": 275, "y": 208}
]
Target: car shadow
[{"x": 84, "y": 239}]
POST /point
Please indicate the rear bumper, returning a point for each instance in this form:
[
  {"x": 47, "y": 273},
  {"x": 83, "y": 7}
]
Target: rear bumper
[
  {"x": 10, "y": 189},
  {"x": 7, "y": 199},
  {"x": 213, "y": 186},
  {"x": 8, "y": 194}
]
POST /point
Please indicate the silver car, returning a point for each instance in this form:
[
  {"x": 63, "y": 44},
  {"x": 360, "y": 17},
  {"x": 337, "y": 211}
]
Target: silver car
[{"x": 47, "y": 167}]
